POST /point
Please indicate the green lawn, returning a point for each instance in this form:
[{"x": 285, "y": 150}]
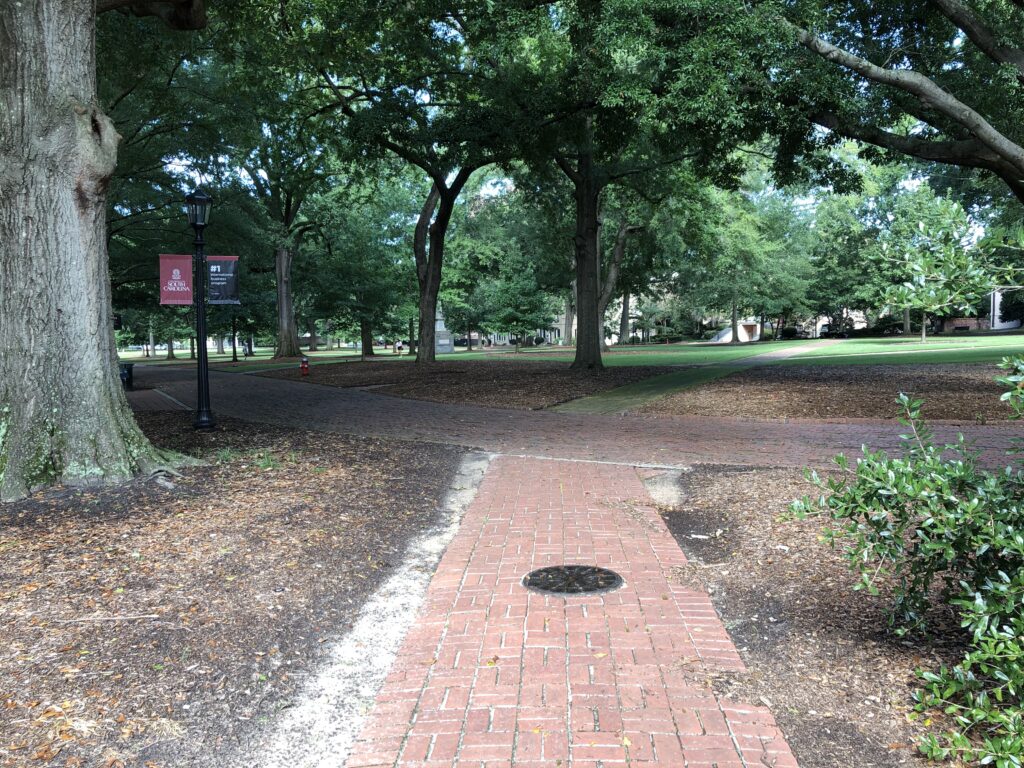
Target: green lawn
[
  {"x": 262, "y": 360},
  {"x": 662, "y": 354},
  {"x": 898, "y": 351}
]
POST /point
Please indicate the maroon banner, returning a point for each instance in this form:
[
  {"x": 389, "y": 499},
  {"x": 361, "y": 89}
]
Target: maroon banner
[{"x": 175, "y": 279}]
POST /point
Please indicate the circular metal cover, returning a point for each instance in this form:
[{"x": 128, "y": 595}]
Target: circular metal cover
[{"x": 572, "y": 579}]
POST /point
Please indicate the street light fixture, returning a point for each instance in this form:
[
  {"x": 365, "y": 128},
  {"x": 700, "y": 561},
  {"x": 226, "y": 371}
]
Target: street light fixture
[{"x": 198, "y": 205}]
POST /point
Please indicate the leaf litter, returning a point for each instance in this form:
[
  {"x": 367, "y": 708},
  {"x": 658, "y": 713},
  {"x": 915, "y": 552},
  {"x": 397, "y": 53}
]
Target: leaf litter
[
  {"x": 150, "y": 623},
  {"x": 951, "y": 392},
  {"x": 838, "y": 682}
]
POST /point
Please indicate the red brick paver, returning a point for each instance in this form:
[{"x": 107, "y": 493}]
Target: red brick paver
[{"x": 495, "y": 675}]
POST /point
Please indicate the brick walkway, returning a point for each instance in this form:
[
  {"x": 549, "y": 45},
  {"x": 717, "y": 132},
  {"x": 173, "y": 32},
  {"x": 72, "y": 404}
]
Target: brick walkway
[
  {"x": 494, "y": 675},
  {"x": 625, "y": 439}
]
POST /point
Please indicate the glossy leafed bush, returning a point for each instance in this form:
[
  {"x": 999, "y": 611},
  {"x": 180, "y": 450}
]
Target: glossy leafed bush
[{"x": 933, "y": 523}]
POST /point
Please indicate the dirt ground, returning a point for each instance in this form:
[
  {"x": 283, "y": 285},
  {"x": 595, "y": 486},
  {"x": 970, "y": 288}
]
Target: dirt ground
[
  {"x": 953, "y": 392},
  {"x": 520, "y": 384},
  {"x": 150, "y": 623},
  {"x": 818, "y": 653}
]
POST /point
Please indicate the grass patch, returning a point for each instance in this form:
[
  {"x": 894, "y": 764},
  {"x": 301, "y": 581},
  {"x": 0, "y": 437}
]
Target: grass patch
[
  {"x": 982, "y": 349},
  {"x": 667, "y": 354},
  {"x": 634, "y": 395}
]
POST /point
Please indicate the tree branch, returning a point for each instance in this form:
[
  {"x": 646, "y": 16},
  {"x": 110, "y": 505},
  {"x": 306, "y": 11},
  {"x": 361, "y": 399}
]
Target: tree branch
[
  {"x": 925, "y": 90},
  {"x": 611, "y": 278},
  {"x": 980, "y": 34},
  {"x": 419, "y": 239},
  {"x": 567, "y": 169},
  {"x": 176, "y": 14},
  {"x": 969, "y": 153}
]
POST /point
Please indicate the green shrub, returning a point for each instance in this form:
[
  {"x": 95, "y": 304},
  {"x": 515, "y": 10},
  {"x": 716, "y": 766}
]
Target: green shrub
[{"x": 934, "y": 522}]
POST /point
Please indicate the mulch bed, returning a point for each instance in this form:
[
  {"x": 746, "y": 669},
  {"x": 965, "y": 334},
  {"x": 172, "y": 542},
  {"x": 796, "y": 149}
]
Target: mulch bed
[
  {"x": 953, "y": 392},
  {"x": 148, "y": 624},
  {"x": 818, "y": 653},
  {"x": 519, "y": 384}
]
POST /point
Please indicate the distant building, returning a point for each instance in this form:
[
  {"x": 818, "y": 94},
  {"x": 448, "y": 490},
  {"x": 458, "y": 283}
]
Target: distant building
[{"x": 996, "y": 300}]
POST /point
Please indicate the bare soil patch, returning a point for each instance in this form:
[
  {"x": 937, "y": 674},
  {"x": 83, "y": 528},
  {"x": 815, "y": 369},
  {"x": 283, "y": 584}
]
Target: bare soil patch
[
  {"x": 152, "y": 623},
  {"x": 518, "y": 384},
  {"x": 819, "y": 654},
  {"x": 950, "y": 392}
]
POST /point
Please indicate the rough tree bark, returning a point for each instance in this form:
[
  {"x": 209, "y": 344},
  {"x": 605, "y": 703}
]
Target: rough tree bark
[
  {"x": 170, "y": 349},
  {"x": 63, "y": 414},
  {"x": 366, "y": 338},
  {"x": 589, "y": 334},
  {"x": 735, "y": 323},
  {"x": 906, "y": 321},
  {"x": 587, "y": 188},
  {"x": 287, "y": 331}
]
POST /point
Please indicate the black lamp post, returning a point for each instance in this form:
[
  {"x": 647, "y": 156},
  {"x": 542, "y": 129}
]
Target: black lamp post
[{"x": 198, "y": 206}]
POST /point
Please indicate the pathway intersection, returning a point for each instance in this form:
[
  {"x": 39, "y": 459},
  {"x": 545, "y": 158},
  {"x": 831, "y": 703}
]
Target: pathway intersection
[{"x": 492, "y": 674}]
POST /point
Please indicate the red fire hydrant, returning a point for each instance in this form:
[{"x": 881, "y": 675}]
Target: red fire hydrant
[{"x": 304, "y": 366}]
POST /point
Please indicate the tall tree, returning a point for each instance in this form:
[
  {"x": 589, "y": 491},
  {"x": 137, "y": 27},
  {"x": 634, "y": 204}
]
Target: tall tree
[
  {"x": 629, "y": 88},
  {"x": 280, "y": 143},
  {"x": 412, "y": 82},
  {"x": 63, "y": 416},
  {"x": 359, "y": 251}
]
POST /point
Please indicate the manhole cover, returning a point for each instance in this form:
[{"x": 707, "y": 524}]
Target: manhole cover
[{"x": 572, "y": 579}]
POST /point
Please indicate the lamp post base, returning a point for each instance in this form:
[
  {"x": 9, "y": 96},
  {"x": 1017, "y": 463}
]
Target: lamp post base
[{"x": 204, "y": 421}]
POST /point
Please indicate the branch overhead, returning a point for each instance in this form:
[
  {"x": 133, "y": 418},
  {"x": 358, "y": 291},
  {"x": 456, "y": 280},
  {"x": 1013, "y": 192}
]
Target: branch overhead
[{"x": 176, "y": 14}]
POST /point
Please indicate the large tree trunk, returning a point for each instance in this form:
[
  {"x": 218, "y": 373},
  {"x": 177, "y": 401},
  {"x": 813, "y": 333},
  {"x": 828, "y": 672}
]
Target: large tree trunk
[
  {"x": 589, "y": 321},
  {"x": 428, "y": 276},
  {"x": 170, "y": 349},
  {"x": 220, "y": 343},
  {"x": 735, "y": 323},
  {"x": 287, "y": 332},
  {"x": 924, "y": 325},
  {"x": 366, "y": 338},
  {"x": 412, "y": 337},
  {"x": 63, "y": 414},
  {"x": 906, "y": 321}
]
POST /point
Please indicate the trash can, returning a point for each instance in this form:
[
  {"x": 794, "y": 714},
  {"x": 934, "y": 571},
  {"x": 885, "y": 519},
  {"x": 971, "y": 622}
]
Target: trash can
[{"x": 128, "y": 375}]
